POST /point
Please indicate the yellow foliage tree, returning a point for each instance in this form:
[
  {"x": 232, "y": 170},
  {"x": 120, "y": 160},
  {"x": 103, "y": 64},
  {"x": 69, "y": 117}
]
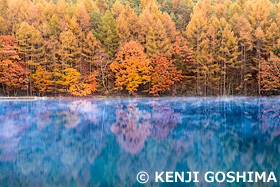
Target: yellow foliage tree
[
  {"x": 131, "y": 67},
  {"x": 43, "y": 80}
]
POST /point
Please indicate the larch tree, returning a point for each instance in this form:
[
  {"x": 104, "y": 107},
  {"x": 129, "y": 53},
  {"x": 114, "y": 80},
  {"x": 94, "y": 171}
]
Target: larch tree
[
  {"x": 89, "y": 5},
  {"x": 228, "y": 57},
  {"x": 54, "y": 27},
  {"x": 206, "y": 6},
  {"x": 151, "y": 44},
  {"x": 89, "y": 53},
  {"x": 182, "y": 10},
  {"x": 43, "y": 81},
  {"x": 80, "y": 35},
  {"x": 68, "y": 50},
  {"x": 146, "y": 21},
  {"x": 123, "y": 29},
  {"x": 182, "y": 58},
  {"x": 3, "y": 26},
  {"x": 147, "y": 3},
  {"x": 117, "y": 9},
  {"x": 132, "y": 22},
  {"x": 95, "y": 19},
  {"x": 196, "y": 36},
  {"x": 82, "y": 17},
  {"x": 30, "y": 48},
  {"x": 259, "y": 37},
  {"x": 243, "y": 31},
  {"x": 4, "y": 7},
  {"x": 62, "y": 13},
  {"x": 89, "y": 75},
  {"x": 67, "y": 81},
  {"x": 68, "y": 58},
  {"x": 128, "y": 25},
  {"x": 158, "y": 41},
  {"x": 272, "y": 34},
  {"x": 259, "y": 17},
  {"x": 169, "y": 26},
  {"x": 213, "y": 78},
  {"x": 259, "y": 13},
  {"x": 102, "y": 5}
]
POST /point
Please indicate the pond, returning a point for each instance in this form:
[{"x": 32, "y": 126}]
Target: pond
[{"x": 107, "y": 142}]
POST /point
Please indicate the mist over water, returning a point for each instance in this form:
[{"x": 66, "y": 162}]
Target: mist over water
[{"x": 106, "y": 142}]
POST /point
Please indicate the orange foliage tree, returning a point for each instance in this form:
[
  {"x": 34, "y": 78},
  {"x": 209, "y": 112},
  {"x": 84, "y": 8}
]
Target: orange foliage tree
[
  {"x": 13, "y": 73},
  {"x": 164, "y": 75},
  {"x": 85, "y": 87},
  {"x": 71, "y": 83},
  {"x": 131, "y": 67},
  {"x": 43, "y": 80},
  {"x": 270, "y": 74},
  {"x": 182, "y": 58}
]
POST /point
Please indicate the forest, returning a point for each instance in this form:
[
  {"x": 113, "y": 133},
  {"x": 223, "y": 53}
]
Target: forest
[{"x": 139, "y": 47}]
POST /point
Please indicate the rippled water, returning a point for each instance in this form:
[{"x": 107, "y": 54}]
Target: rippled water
[{"x": 107, "y": 142}]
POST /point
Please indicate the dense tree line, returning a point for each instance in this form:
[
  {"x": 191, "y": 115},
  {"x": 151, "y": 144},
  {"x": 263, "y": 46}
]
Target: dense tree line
[{"x": 178, "y": 47}]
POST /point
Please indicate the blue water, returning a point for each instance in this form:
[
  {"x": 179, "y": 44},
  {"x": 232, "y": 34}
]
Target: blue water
[{"x": 106, "y": 142}]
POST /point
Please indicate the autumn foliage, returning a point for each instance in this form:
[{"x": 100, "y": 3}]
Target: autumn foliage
[
  {"x": 81, "y": 48},
  {"x": 270, "y": 75},
  {"x": 13, "y": 74},
  {"x": 132, "y": 68},
  {"x": 164, "y": 75}
]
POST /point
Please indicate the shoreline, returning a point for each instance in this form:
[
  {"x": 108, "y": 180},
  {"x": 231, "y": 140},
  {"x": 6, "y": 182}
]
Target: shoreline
[
  {"x": 24, "y": 97},
  {"x": 125, "y": 97}
]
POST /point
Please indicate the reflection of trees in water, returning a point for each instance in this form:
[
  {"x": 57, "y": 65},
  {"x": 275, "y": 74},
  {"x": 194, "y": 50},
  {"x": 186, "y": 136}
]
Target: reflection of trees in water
[
  {"x": 241, "y": 142},
  {"x": 65, "y": 142},
  {"x": 183, "y": 141},
  {"x": 135, "y": 124},
  {"x": 270, "y": 118},
  {"x": 214, "y": 136},
  {"x": 59, "y": 159},
  {"x": 155, "y": 157},
  {"x": 59, "y": 147},
  {"x": 70, "y": 119},
  {"x": 153, "y": 124},
  {"x": 164, "y": 118},
  {"x": 13, "y": 123},
  {"x": 75, "y": 112},
  {"x": 132, "y": 127},
  {"x": 86, "y": 109}
]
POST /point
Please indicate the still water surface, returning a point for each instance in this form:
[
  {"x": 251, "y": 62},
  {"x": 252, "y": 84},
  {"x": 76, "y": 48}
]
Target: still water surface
[{"x": 106, "y": 142}]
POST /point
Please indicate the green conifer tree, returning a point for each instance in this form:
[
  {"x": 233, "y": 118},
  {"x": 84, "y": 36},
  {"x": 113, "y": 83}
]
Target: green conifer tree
[{"x": 107, "y": 34}]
